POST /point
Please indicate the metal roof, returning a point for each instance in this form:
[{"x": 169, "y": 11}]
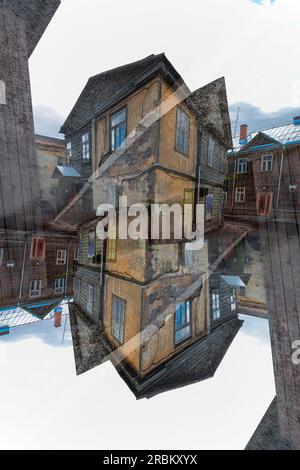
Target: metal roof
[
  {"x": 234, "y": 281},
  {"x": 285, "y": 135},
  {"x": 16, "y": 317},
  {"x": 68, "y": 171}
]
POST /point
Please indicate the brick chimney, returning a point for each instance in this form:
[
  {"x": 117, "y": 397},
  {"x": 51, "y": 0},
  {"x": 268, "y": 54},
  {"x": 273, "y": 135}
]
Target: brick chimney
[
  {"x": 243, "y": 134},
  {"x": 57, "y": 317}
]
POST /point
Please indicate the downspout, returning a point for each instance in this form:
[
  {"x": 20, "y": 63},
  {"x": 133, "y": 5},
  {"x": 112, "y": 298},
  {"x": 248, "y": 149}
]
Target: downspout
[
  {"x": 67, "y": 270},
  {"x": 280, "y": 177},
  {"x": 23, "y": 271},
  {"x": 233, "y": 185}
]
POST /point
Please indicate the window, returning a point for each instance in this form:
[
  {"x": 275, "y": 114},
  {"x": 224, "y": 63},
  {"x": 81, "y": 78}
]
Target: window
[
  {"x": 210, "y": 152},
  {"x": 183, "y": 325},
  {"x": 86, "y": 146},
  {"x": 2, "y": 92},
  {"x": 209, "y": 205},
  {"x": 264, "y": 203},
  {"x": 242, "y": 166},
  {"x": 69, "y": 151},
  {"x": 189, "y": 196},
  {"x": 35, "y": 288},
  {"x": 182, "y": 132},
  {"x": 240, "y": 195},
  {"x": 233, "y": 303},
  {"x": 1, "y": 255},
  {"x": 118, "y": 130},
  {"x": 78, "y": 290},
  {"x": 111, "y": 252},
  {"x": 61, "y": 257},
  {"x": 216, "y": 312},
  {"x": 38, "y": 248},
  {"x": 91, "y": 244},
  {"x": 118, "y": 319},
  {"x": 90, "y": 299},
  {"x": 59, "y": 286},
  {"x": 266, "y": 163}
]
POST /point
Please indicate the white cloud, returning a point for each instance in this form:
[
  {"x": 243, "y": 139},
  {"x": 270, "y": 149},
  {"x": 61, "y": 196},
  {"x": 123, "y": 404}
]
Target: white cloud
[{"x": 253, "y": 47}]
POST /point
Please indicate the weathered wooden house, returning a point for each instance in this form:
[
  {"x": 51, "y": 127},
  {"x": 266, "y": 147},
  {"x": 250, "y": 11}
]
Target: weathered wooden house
[{"x": 144, "y": 135}]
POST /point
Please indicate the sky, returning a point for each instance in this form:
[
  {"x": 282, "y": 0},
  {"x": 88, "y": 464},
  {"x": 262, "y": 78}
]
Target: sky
[
  {"x": 250, "y": 42},
  {"x": 46, "y": 406}
]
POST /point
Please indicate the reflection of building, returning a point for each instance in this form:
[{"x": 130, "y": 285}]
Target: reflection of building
[
  {"x": 264, "y": 183},
  {"x": 148, "y": 138},
  {"x": 195, "y": 363},
  {"x": 36, "y": 257}
]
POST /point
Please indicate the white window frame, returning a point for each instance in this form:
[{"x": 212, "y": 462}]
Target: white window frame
[
  {"x": 1, "y": 255},
  {"x": 233, "y": 301},
  {"x": 265, "y": 163},
  {"x": 216, "y": 309},
  {"x": 242, "y": 166},
  {"x": 118, "y": 328},
  {"x": 35, "y": 288},
  {"x": 240, "y": 195},
  {"x": 59, "y": 287},
  {"x": 211, "y": 151},
  {"x": 69, "y": 151},
  {"x": 182, "y": 131},
  {"x": 85, "y": 141},
  {"x": 61, "y": 257},
  {"x": 90, "y": 298}
]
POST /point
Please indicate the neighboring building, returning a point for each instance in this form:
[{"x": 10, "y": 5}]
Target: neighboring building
[
  {"x": 36, "y": 257},
  {"x": 145, "y": 136},
  {"x": 264, "y": 172},
  {"x": 264, "y": 183}
]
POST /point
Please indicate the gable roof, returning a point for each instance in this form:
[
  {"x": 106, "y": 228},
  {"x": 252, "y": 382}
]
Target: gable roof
[
  {"x": 211, "y": 104},
  {"x": 37, "y": 15},
  {"x": 288, "y": 134},
  {"x": 108, "y": 88}
]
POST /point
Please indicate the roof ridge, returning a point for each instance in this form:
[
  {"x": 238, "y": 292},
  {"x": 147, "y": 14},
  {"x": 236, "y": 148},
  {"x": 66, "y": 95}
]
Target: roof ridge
[
  {"x": 120, "y": 67},
  {"x": 266, "y": 129}
]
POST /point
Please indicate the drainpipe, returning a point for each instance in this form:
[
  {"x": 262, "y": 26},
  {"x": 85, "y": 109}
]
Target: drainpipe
[
  {"x": 23, "y": 271},
  {"x": 233, "y": 185},
  {"x": 67, "y": 270},
  {"x": 280, "y": 177}
]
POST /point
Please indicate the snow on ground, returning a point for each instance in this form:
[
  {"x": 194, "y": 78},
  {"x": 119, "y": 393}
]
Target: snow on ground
[{"x": 44, "y": 405}]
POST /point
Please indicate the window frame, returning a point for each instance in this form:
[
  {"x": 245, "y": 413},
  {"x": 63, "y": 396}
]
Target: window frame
[
  {"x": 210, "y": 162},
  {"x": 69, "y": 151},
  {"x": 111, "y": 128},
  {"x": 186, "y": 325},
  {"x": 36, "y": 252},
  {"x": 90, "y": 299},
  {"x": 238, "y": 191},
  {"x": 233, "y": 301},
  {"x": 215, "y": 296},
  {"x": 245, "y": 162},
  {"x": 1, "y": 255},
  {"x": 109, "y": 249},
  {"x": 31, "y": 291},
  {"x": 268, "y": 204},
  {"x": 85, "y": 147},
  {"x": 58, "y": 259},
  {"x": 120, "y": 340},
  {"x": 263, "y": 162},
  {"x": 61, "y": 289},
  {"x": 187, "y": 132}
]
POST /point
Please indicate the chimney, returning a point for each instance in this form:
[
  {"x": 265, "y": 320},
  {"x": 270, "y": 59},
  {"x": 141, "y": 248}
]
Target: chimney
[
  {"x": 57, "y": 317},
  {"x": 243, "y": 134},
  {"x": 297, "y": 121}
]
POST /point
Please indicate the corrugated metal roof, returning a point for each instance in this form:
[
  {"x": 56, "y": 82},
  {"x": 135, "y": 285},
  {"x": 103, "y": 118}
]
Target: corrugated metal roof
[
  {"x": 284, "y": 135},
  {"x": 234, "y": 281},
  {"x": 16, "y": 317},
  {"x": 68, "y": 171}
]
